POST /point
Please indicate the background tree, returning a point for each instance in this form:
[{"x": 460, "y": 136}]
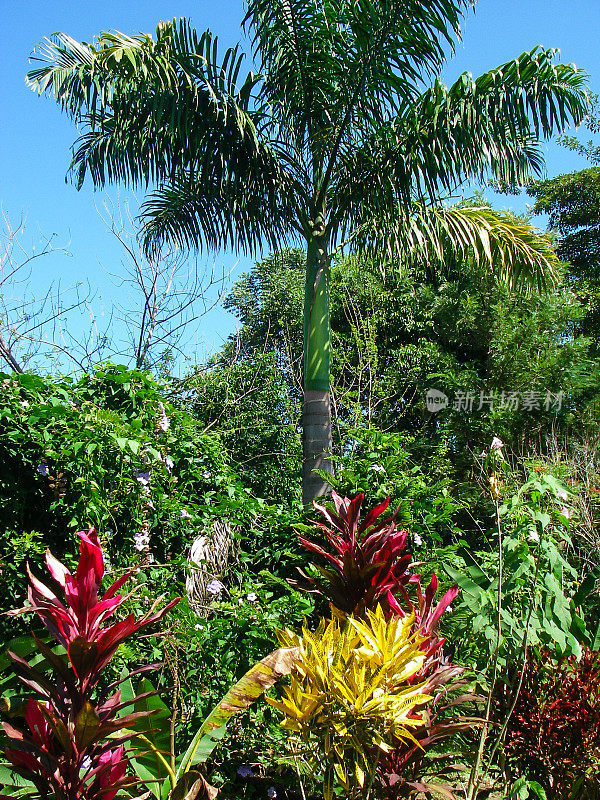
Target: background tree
[
  {"x": 57, "y": 325},
  {"x": 166, "y": 293},
  {"x": 572, "y": 202},
  {"x": 337, "y": 142},
  {"x": 393, "y": 338}
]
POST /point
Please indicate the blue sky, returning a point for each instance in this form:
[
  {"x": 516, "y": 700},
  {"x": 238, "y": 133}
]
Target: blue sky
[{"x": 35, "y": 137}]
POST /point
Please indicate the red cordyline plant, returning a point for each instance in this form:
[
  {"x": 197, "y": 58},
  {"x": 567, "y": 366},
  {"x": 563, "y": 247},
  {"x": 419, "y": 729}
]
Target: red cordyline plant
[
  {"x": 367, "y": 565},
  {"x": 63, "y": 746},
  {"x": 553, "y": 733}
]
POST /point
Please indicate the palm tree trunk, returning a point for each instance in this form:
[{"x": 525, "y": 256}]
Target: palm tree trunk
[{"x": 316, "y": 412}]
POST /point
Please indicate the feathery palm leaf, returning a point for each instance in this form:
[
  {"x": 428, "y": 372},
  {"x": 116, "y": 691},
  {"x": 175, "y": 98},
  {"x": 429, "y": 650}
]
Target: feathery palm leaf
[
  {"x": 335, "y": 69},
  {"x": 515, "y": 251},
  {"x": 477, "y": 128},
  {"x": 168, "y": 110}
]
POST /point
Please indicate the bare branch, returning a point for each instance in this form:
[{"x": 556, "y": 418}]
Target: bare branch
[
  {"x": 167, "y": 292},
  {"x": 36, "y": 327}
]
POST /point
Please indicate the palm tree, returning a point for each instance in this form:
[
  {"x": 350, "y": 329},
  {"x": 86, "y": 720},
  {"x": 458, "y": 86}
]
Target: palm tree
[{"x": 345, "y": 138}]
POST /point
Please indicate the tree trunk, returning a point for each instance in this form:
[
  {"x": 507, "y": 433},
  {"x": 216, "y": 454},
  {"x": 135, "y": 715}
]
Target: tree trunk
[{"x": 316, "y": 412}]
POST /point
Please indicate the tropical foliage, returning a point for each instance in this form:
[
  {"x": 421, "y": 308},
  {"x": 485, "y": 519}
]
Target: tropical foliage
[
  {"x": 67, "y": 749},
  {"x": 345, "y": 137},
  {"x": 553, "y": 733},
  {"x": 355, "y": 690},
  {"x": 431, "y": 627}
]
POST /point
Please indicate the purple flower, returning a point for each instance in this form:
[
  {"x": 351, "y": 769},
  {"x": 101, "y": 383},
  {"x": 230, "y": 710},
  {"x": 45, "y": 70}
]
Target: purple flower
[
  {"x": 43, "y": 469},
  {"x": 244, "y": 770},
  {"x": 86, "y": 763},
  {"x": 214, "y": 587},
  {"x": 271, "y": 792},
  {"x": 142, "y": 476},
  {"x": 185, "y": 514},
  {"x": 207, "y": 474}
]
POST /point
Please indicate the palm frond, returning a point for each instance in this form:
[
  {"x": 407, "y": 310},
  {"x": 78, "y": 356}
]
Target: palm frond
[
  {"x": 168, "y": 110},
  {"x": 210, "y": 215},
  {"x": 516, "y": 252},
  {"x": 481, "y": 128},
  {"x": 335, "y": 62}
]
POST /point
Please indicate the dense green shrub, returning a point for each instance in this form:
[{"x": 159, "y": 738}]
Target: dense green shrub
[{"x": 114, "y": 451}]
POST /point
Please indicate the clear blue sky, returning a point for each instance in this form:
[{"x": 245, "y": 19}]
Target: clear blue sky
[{"x": 36, "y": 137}]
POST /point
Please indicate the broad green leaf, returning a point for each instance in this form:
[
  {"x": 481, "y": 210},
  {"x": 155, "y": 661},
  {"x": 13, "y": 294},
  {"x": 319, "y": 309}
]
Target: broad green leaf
[
  {"x": 255, "y": 682},
  {"x": 153, "y": 740},
  {"x": 466, "y": 584}
]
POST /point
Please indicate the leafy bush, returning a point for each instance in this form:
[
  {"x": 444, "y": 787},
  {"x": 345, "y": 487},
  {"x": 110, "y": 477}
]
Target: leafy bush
[
  {"x": 113, "y": 451},
  {"x": 553, "y": 732},
  {"x": 66, "y": 748}
]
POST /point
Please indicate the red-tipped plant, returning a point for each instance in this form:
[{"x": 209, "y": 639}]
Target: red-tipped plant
[
  {"x": 553, "y": 732},
  {"x": 366, "y": 562},
  {"x": 366, "y": 565},
  {"x": 63, "y": 746}
]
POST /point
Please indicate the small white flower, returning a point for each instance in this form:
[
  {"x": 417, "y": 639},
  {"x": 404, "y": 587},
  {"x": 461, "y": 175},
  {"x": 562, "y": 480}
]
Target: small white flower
[
  {"x": 185, "y": 514},
  {"x": 151, "y": 558},
  {"x": 497, "y": 444},
  {"x": 533, "y": 535},
  {"x": 562, "y": 494},
  {"x": 141, "y": 541},
  {"x": 169, "y": 463},
  {"x": 483, "y": 454},
  {"x": 565, "y": 512},
  {"x": 24, "y": 404},
  {"x": 449, "y": 610},
  {"x": 86, "y": 763},
  {"x": 198, "y": 627},
  {"x": 241, "y": 601},
  {"x": 214, "y": 587},
  {"x": 417, "y": 540},
  {"x": 378, "y": 468},
  {"x": 150, "y": 504},
  {"x": 207, "y": 474},
  {"x": 252, "y": 597}
]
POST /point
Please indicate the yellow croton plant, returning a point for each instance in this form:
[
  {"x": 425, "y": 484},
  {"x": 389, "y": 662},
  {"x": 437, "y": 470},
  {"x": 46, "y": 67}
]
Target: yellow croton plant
[{"x": 350, "y": 690}]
